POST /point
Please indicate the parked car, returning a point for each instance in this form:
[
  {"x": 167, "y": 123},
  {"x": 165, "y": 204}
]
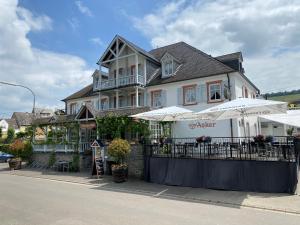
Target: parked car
[{"x": 4, "y": 157}]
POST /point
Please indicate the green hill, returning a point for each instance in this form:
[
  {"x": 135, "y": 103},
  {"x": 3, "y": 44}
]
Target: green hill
[{"x": 286, "y": 98}]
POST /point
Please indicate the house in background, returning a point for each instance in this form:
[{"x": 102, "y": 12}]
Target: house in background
[
  {"x": 130, "y": 80},
  {"x": 8, "y": 123}
]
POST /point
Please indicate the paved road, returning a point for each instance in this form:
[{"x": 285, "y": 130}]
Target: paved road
[{"x": 32, "y": 201}]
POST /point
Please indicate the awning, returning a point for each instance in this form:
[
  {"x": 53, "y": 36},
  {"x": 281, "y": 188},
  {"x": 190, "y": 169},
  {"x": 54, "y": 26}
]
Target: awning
[{"x": 292, "y": 118}]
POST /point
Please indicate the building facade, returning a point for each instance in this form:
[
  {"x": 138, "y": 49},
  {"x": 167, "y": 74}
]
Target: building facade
[{"x": 131, "y": 80}]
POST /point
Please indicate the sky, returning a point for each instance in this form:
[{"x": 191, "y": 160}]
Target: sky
[{"x": 52, "y": 46}]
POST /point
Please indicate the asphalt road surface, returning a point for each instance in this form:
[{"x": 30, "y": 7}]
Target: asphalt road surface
[{"x": 33, "y": 201}]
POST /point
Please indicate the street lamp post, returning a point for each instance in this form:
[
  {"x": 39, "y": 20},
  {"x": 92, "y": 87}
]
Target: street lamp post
[{"x": 19, "y": 85}]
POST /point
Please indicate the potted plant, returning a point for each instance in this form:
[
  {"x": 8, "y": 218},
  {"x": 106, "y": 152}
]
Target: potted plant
[
  {"x": 16, "y": 148},
  {"x": 119, "y": 149},
  {"x": 200, "y": 139},
  {"x": 269, "y": 139},
  {"x": 15, "y": 163},
  {"x": 260, "y": 140}
]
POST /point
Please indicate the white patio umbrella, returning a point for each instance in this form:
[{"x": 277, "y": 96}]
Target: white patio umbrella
[
  {"x": 292, "y": 118},
  {"x": 172, "y": 113},
  {"x": 241, "y": 108}
]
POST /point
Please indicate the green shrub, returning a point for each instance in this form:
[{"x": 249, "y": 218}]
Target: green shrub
[
  {"x": 75, "y": 163},
  {"x": 5, "y": 148},
  {"x": 10, "y": 135},
  {"x": 119, "y": 149},
  {"x": 52, "y": 159}
]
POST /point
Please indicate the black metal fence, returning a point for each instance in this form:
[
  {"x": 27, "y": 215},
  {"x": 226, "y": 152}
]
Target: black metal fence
[{"x": 227, "y": 148}]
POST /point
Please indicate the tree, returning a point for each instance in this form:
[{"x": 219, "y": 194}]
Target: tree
[
  {"x": 10, "y": 135},
  {"x": 0, "y": 132}
]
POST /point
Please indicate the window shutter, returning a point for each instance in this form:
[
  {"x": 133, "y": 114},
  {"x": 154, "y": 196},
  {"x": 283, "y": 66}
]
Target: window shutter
[
  {"x": 203, "y": 93},
  {"x": 224, "y": 90},
  {"x": 145, "y": 98},
  {"x": 180, "y": 96},
  {"x": 198, "y": 94},
  {"x": 164, "y": 97}
]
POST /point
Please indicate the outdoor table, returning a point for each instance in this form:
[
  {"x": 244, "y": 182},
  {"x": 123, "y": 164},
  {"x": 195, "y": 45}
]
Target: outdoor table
[{"x": 62, "y": 165}]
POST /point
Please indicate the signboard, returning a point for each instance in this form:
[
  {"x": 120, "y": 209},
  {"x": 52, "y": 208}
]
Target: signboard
[
  {"x": 202, "y": 125},
  {"x": 89, "y": 125}
]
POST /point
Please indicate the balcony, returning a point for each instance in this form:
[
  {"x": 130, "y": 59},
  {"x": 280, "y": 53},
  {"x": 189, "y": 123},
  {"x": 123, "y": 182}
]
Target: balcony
[{"x": 122, "y": 81}]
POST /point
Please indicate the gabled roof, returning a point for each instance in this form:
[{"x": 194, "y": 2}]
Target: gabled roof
[
  {"x": 84, "y": 92},
  {"x": 133, "y": 46},
  {"x": 231, "y": 56},
  {"x": 194, "y": 63},
  {"x": 12, "y": 123},
  {"x": 89, "y": 110},
  {"x": 23, "y": 118}
]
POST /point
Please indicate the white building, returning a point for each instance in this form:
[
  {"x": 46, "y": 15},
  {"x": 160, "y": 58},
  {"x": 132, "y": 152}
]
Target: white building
[{"x": 131, "y": 80}]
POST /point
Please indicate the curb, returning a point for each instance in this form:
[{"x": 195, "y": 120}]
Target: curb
[{"x": 162, "y": 195}]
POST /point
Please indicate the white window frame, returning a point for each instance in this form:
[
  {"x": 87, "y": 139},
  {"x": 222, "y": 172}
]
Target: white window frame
[
  {"x": 154, "y": 99},
  {"x": 186, "y": 89},
  {"x": 73, "y": 108},
  {"x": 209, "y": 91},
  {"x": 167, "y": 62}
]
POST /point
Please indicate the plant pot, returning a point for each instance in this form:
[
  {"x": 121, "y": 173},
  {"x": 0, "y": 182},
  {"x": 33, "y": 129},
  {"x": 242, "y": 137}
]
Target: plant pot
[
  {"x": 120, "y": 174},
  {"x": 15, "y": 164}
]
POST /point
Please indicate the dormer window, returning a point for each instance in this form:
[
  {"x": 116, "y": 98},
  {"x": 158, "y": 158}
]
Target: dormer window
[
  {"x": 168, "y": 65},
  {"x": 168, "y": 68}
]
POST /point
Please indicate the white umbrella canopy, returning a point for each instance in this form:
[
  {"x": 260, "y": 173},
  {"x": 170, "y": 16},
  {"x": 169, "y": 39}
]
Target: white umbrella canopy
[
  {"x": 172, "y": 113},
  {"x": 292, "y": 118},
  {"x": 242, "y": 107}
]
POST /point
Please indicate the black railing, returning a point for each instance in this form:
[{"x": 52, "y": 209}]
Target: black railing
[{"x": 227, "y": 148}]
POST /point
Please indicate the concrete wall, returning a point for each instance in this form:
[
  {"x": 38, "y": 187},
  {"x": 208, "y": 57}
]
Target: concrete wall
[
  {"x": 135, "y": 160},
  {"x": 42, "y": 158}
]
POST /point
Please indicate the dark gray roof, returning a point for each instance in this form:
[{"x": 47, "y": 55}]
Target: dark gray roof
[
  {"x": 84, "y": 92},
  {"x": 22, "y": 118},
  {"x": 12, "y": 123},
  {"x": 57, "y": 119},
  {"x": 231, "y": 56},
  {"x": 194, "y": 63},
  {"x": 122, "y": 112}
]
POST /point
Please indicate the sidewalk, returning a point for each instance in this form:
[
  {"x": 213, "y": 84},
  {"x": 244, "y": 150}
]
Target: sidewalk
[{"x": 277, "y": 202}]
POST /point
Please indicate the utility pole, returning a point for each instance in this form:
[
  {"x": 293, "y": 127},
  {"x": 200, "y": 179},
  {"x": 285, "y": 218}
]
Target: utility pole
[{"x": 19, "y": 85}]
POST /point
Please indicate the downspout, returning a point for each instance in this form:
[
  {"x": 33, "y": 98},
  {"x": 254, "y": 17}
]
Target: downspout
[{"x": 229, "y": 98}]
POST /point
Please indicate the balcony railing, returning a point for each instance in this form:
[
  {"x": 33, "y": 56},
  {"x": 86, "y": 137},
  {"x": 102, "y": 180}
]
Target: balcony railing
[{"x": 121, "y": 81}]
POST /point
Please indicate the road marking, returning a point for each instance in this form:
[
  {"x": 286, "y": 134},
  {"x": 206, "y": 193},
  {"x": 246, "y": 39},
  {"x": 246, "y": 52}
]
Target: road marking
[{"x": 160, "y": 193}]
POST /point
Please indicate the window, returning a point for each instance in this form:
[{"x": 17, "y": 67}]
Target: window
[
  {"x": 120, "y": 71},
  {"x": 133, "y": 101},
  {"x": 189, "y": 95},
  {"x": 214, "y": 91},
  {"x": 245, "y": 93},
  {"x": 121, "y": 101},
  {"x": 104, "y": 103},
  {"x": 155, "y": 129},
  {"x": 73, "y": 108},
  {"x": 156, "y": 98},
  {"x": 168, "y": 68},
  {"x": 132, "y": 70}
]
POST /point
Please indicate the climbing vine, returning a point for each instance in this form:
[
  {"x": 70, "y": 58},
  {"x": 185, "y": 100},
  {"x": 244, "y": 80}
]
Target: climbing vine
[{"x": 110, "y": 127}]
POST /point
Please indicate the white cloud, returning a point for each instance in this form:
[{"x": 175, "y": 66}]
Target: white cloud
[
  {"x": 97, "y": 41},
  {"x": 52, "y": 76},
  {"x": 267, "y": 32},
  {"x": 83, "y": 9}
]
